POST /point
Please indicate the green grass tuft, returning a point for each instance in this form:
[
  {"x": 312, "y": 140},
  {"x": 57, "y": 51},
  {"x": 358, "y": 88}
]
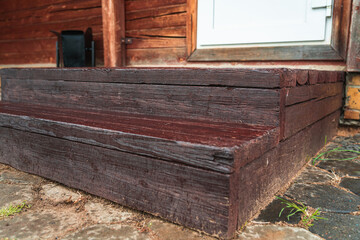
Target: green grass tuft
[
  {"x": 308, "y": 216},
  {"x": 13, "y": 209},
  {"x": 323, "y": 156}
]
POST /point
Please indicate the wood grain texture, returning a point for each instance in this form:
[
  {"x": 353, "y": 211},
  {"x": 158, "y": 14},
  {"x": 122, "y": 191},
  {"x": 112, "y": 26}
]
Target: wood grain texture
[
  {"x": 203, "y": 144},
  {"x": 158, "y": 30},
  {"x": 311, "y": 92},
  {"x": 226, "y": 77},
  {"x": 190, "y": 196},
  {"x": 301, "y": 115},
  {"x": 242, "y": 105},
  {"x": 303, "y": 52},
  {"x": 113, "y": 20},
  {"x": 25, "y": 26},
  {"x": 340, "y": 26},
  {"x": 353, "y": 58},
  {"x": 261, "y": 179}
]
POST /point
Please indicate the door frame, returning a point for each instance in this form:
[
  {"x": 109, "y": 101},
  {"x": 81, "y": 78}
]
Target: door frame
[{"x": 336, "y": 50}]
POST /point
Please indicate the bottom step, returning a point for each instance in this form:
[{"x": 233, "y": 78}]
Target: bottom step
[{"x": 212, "y": 201}]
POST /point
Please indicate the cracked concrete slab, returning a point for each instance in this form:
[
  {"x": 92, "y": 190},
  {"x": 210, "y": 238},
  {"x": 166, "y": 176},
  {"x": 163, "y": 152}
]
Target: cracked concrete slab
[
  {"x": 14, "y": 194},
  {"x": 109, "y": 232},
  {"x": 266, "y": 232},
  {"x": 102, "y": 213},
  {"x": 39, "y": 224}
]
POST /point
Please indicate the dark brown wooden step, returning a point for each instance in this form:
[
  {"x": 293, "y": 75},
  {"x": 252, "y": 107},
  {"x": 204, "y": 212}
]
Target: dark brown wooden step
[{"x": 210, "y": 145}]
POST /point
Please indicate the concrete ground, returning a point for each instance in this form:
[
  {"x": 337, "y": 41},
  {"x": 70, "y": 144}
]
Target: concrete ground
[{"x": 59, "y": 212}]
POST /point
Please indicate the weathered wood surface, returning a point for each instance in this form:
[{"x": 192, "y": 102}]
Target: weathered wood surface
[
  {"x": 242, "y": 105},
  {"x": 264, "y": 177},
  {"x": 158, "y": 31},
  {"x": 353, "y": 58},
  {"x": 301, "y": 115},
  {"x": 25, "y": 24},
  {"x": 302, "y": 52},
  {"x": 226, "y": 77},
  {"x": 113, "y": 20},
  {"x": 311, "y": 92},
  {"x": 204, "y": 144},
  {"x": 340, "y": 26},
  {"x": 190, "y": 196},
  {"x": 294, "y": 77}
]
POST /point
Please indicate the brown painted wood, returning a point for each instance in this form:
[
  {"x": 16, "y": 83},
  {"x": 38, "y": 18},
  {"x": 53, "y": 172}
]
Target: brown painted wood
[
  {"x": 311, "y": 92},
  {"x": 204, "y": 144},
  {"x": 191, "y": 26},
  {"x": 155, "y": 12},
  {"x": 156, "y": 42},
  {"x": 113, "y": 20},
  {"x": 226, "y": 77},
  {"x": 265, "y": 176},
  {"x": 158, "y": 32},
  {"x": 353, "y": 58},
  {"x": 25, "y": 36},
  {"x": 340, "y": 26},
  {"x": 299, "y": 116},
  {"x": 302, "y": 77},
  {"x": 243, "y": 105},
  {"x": 303, "y": 52},
  {"x": 146, "y": 4},
  {"x": 190, "y": 196}
]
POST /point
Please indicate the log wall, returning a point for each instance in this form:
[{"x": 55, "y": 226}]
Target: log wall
[
  {"x": 158, "y": 30},
  {"x": 25, "y": 26}
]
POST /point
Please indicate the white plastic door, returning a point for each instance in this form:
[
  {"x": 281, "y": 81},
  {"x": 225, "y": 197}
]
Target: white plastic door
[{"x": 237, "y": 22}]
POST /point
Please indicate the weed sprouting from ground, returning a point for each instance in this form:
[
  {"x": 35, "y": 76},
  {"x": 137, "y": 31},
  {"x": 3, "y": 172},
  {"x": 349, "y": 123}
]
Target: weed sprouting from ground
[
  {"x": 309, "y": 215},
  {"x": 324, "y": 156},
  {"x": 13, "y": 209}
]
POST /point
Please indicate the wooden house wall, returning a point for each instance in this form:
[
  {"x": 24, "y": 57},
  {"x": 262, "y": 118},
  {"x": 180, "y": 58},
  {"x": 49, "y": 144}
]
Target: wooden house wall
[
  {"x": 158, "y": 30},
  {"x": 25, "y": 26}
]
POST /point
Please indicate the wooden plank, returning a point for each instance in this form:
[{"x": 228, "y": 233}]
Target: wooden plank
[
  {"x": 39, "y": 57},
  {"x": 172, "y": 20},
  {"x": 148, "y": 4},
  {"x": 353, "y": 58},
  {"x": 160, "y": 56},
  {"x": 311, "y": 92},
  {"x": 43, "y": 30},
  {"x": 155, "y": 42},
  {"x": 264, "y": 177},
  {"x": 299, "y": 116},
  {"x": 190, "y": 196},
  {"x": 303, "y": 52},
  {"x": 242, "y": 105},
  {"x": 340, "y": 26},
  {"x": 160, "y": 32},
  {"x": 28, "y": 46},
  {"x": 155, "y": 12},
  {"x": 16, "y": 5},
  {"x": 226, "y": 77},
  {"x": 113, "y": 20},
  {"x": 191, "y": 26},
  {"x": 53, "y": 13},
  {"x": 196, "y": 143}
]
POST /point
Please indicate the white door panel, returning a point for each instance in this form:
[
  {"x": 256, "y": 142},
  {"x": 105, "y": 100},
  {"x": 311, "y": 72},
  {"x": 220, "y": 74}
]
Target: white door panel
[{"x": 227, "y": 22}]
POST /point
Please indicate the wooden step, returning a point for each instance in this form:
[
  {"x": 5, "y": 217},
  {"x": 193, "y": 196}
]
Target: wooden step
[
  {"x": 210, "y": 145},
  {"x": 205, "y": 148}
]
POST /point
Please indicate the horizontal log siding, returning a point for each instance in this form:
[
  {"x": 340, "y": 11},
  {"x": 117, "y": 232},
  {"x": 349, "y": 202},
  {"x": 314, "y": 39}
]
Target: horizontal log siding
[
  {"x": 25, "y": 26},
  {"x": 158, "y": 31}
]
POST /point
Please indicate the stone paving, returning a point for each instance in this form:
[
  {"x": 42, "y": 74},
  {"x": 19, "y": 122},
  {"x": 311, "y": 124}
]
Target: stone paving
[{"x": 58, "y": 212}]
